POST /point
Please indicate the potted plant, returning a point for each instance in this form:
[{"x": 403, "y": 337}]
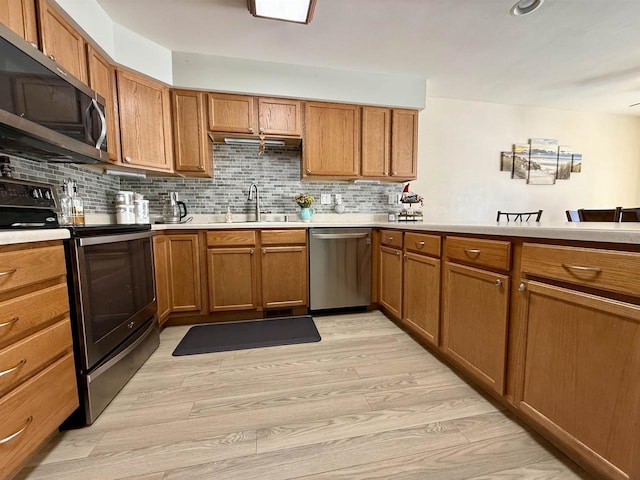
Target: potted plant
[{"x": 304, "y": 201}]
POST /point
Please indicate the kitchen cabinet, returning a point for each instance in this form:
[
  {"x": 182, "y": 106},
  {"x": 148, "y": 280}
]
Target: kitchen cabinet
[
  {"x": 404, "y": 144},
  {"x": 192, "y": 149},
  {"x": 178, "y": 281},
  {"x": 421, "y": 294},
  {"x": 244, "y": 114},
  {"x": 233, "y": 270},
  {"x": 476, "y": 308},
  {"x": 61, "y": 41},
  {"x": 20, "y": 16},
  {"x": 38, "y": 388},
  {"x": 376, "y": 142},
  {"x": 580, "y": 352},
  {"x": 390, "y": 272},
  {"x": 145, "y": 122},
  {"x": 102, "y": 79},
  {"x": 284, "y": 268},
  {"x": 331, "y": 140}
]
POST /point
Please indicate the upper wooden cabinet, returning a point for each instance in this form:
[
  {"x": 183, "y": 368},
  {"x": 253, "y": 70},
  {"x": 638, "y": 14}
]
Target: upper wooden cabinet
[
  {"x": 404, "y": 144},
  {"x": 253, "y": 115},
  {"x": 192, "y": 149},
  {"x": 20, "y": 16},
  {"x": 102, "y": 79},
  {"x": 145, "y": 122},
  {"x": 332, "y": 140},
  {"x": 60, "y": 41},
  {"x": 389, "y": 143}
]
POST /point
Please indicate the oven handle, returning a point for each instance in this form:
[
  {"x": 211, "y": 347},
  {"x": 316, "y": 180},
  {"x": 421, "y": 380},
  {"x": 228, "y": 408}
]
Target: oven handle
[
  {"x": 125, "y": 237},
  {"x": 103, "y": 368}
]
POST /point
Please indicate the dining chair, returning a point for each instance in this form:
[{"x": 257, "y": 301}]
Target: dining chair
[
  {"x": 519, "y": 216},
  {"x": 630, "y": 215},
  {"x": 606, "y": 215},
  {"x": 572, "y": 216}
]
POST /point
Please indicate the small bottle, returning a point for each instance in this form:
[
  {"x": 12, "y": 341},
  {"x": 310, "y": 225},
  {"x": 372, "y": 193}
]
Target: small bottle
[
  {"x": 65, "y": 204},
  {"x": 77, "y": 205},
  {"x": 228, "y": 217}
]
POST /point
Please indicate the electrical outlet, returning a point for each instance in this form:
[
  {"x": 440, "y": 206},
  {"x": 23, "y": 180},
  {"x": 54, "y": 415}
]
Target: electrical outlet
[
  {"x": 393, "y": 199},
  {"x": 338, "y": 199},
  {"x": 325, "y": 199}
]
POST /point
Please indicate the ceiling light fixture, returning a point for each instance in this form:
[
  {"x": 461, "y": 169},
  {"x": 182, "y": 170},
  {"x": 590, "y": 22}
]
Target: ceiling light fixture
[
  {"x": 297, "y": 11},
  {"x": 524, "y": 7}
]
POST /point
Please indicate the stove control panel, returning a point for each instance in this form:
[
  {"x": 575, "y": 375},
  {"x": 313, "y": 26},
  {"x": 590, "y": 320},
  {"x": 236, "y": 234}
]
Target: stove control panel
[{"x": 19, "y": 193}]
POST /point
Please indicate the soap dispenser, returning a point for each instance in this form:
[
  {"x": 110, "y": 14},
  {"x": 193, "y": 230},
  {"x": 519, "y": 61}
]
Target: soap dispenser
[{"x": 228, "y": 217}]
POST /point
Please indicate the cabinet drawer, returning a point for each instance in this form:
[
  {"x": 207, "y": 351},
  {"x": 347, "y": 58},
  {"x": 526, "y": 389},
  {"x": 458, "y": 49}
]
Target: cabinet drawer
[
  {"x": 34, "y": 410},
  {"x": 421, "y": 243},
  {"x": 24, "y": 358},
  {"x": 488, "y": 253},
  {"x": 25, "y": 267},
  {"x": 391, "y": 238},
  {"x": 604, "y": 269},
  {"x": 226, "y": 238},
  {"x": 283, "y": 237},
  {"x": 27, "y": 313}
]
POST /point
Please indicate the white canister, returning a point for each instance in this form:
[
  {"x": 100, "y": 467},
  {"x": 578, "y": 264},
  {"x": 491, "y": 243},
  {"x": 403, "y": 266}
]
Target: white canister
[
  {"x": 124, "y": 197},
  {"x": 125, "y": 214},
  {"x": 142, "y": 211}
]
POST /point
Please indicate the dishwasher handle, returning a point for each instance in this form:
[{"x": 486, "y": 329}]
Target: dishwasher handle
[{"x": 338, "y": 236}]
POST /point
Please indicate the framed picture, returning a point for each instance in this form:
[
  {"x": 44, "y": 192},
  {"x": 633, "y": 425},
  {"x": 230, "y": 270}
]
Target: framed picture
[
  {"x": 520, "y": 160},
  {"x": 564, "y": 162},
  {"x": 543, "y": 162},
  {"x": 506, "y": 161},
  {"x": 576, "y": 163}
]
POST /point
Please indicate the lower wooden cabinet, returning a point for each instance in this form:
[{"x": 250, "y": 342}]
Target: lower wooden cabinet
[
  {"x": 390, "y": 290},
  {"x": 178, "y": 279},
  {"x": 233, "y": 274},
  {"x": 421, "y": 296},
  {"x": 284, "y": 276},
  {"x": 581, "y": 363},
  {"x": 476, "y": 309}
]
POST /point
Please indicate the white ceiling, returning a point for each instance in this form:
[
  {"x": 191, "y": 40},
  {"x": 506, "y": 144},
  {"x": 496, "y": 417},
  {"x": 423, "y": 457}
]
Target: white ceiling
[{"x": 576, "y": 54}]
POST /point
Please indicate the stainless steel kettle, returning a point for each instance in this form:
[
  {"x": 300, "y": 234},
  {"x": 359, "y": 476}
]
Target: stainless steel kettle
[{"x": 173, "y": 210}]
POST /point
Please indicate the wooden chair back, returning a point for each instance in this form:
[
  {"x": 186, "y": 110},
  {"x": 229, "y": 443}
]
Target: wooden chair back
[
  {"x": 606, "y": 215},
  {"x": 630, "y": 215},
  {"x": 572, "y": 216},
  {"x": 519, "y": 216}
]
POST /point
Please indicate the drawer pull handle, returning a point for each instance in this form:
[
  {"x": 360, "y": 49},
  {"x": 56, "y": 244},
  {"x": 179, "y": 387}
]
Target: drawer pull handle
[
  {"x": 419, "y": 244},
  {"x": 498, "y": 283},
  {"x": 583, "y": 269},
  {"x": 472, "y": 251},
  {"x": 8, "y": 272},
  {"x": 10, "y": 322},
  {"x": 18, "y": 433},
  {"x": 390, "y": 239},
  {"x": 13, "y": 369}
]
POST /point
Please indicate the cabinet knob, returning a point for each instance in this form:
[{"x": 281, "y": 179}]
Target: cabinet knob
[
  {"x": 394, "y": 173},
  {"x": 390, "y": 239},
  {"x": 127, "y": 159},
  {"x": 397, "y": 254},
  {"x": 385, "y": 172},
  {"x": 522, "y": 287},
  {"x": 250, "y": 129},
  {"x": 264, "y": 250},
  {"x": 200, "y": 167},
  {"x": 308, "y": 171},
  {"x": 251, "y": 251},
  {"x": 498, "y": 283},
  {"x": 261, "y": 130},
  {"x": 52, "y": 57}
]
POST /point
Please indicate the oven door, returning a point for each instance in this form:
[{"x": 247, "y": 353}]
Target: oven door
[{"x": 115, "y": 291}]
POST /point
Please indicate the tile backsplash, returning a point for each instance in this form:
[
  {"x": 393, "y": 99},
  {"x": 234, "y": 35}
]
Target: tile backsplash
[{"x": 276, "y": 172}]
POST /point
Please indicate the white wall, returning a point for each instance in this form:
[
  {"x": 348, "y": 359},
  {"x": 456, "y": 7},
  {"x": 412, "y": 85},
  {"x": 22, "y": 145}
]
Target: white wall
[
  {"x": 459, "y": 160},
  {"x": 225, "y": 74}
]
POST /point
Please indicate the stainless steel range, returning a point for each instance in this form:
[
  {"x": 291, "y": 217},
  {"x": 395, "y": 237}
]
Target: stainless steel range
[{"x": 111, "y": 293}]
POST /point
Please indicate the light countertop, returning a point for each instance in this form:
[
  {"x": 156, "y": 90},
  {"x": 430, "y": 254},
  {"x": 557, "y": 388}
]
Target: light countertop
[{"x": 10, "y": 237}]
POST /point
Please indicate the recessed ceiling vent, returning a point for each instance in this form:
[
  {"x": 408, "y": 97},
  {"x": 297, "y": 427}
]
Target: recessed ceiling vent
[{"x": 524, "y": 7}]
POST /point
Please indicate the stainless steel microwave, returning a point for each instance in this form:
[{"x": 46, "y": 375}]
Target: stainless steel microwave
[{"x": 45, "y": 112}]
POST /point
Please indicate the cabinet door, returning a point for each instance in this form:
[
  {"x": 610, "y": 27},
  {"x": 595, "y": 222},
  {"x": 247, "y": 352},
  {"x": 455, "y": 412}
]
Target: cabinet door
[
  {"x": 581, "y": 366},
  {"x": 332, "y": 140},
  {"x": 102, "y": 79},
  {"x": 145, "y": 124},
  {"x": 232, "y": 279},
  {"x": 193, "y": 152},
  {"x": 376, "y": 132},
  {"x": 184, "y": 252},
  {"x": 279, "y": 116},
  {"x": 475, "y": 322},
  {"x": 61, "y": 41},
  {"x": 284, "y": 277},
  {"x": 390, "y": 295},
  {"x": 162, "y": 265},
  {"x": 404, "y": 144},
  {"x": 422, "y": 295},
  {"x": 231, "y": 113},
  {"x": 20, "y": 16}
]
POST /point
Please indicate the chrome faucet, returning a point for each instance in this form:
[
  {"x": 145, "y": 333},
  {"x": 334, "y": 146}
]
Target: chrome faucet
[{"x": 250, "y": 197}]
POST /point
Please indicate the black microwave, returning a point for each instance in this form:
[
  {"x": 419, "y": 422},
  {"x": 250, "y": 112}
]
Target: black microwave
[{"x": 45, "y": 112}]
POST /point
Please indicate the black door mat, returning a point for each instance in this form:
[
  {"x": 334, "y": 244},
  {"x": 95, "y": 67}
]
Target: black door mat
[{"x": 224, "y": 337}]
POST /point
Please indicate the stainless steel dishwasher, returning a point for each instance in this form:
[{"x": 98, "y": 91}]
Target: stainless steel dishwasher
[{"x": 340, "y": 267}]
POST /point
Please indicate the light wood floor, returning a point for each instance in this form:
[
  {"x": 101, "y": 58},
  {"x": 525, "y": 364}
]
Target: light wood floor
[{"x": 365, "y": 402}]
